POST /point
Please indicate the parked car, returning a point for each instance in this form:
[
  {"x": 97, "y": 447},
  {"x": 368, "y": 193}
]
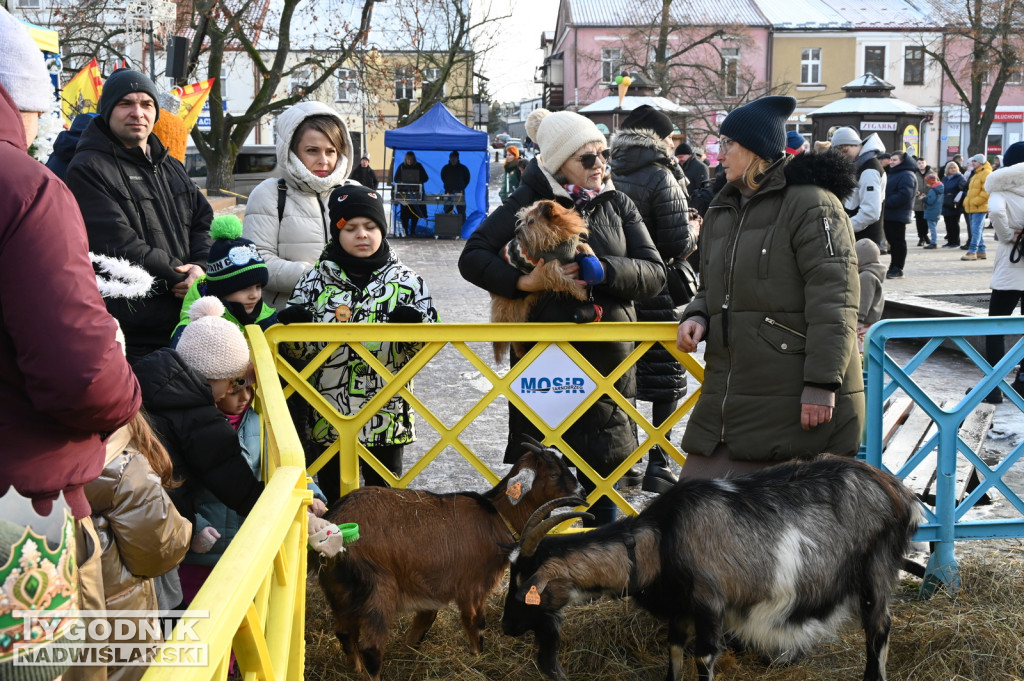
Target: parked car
[
  {"x": 518, "y": 144},
  {"x": 500, "y": 140},
  {"x": 255, "y": 163}
]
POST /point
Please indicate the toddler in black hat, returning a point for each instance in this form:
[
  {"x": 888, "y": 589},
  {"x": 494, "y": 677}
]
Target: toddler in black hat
[
  {"x": 236, "y": 274},
  {"x": 360, "y": 279}
]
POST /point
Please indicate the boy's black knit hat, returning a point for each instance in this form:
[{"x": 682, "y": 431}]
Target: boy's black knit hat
[
  {"x": 646, "y": 117},
  {"x": 121, "y": 83},
  {"x": 760, "y": 126},
  {"x": 234, "y": 263},
  {"x": 355, "y": 201}
]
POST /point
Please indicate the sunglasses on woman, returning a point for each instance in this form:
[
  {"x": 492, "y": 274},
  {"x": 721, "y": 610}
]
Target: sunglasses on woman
[{"x": 588, "y": 161}]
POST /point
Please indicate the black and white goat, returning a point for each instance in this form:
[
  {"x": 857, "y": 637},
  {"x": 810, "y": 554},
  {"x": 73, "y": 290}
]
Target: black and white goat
[
  {"x": 418, "y": 551},
  {"x": 775, "y": 559}
]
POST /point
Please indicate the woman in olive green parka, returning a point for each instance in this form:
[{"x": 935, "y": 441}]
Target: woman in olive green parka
[{"x": 777, "y": 305}]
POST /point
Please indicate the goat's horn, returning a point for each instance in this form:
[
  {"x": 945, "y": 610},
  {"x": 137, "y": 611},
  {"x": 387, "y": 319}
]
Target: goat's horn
[
  {"x": 530, "y": 542},
  {"x": 530, "y": 443},
  {"x": 544, "y": 509}
]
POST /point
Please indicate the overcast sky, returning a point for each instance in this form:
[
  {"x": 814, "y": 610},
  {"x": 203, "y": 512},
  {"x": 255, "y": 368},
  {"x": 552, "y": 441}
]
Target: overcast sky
[{"x": 511, "y": 65}]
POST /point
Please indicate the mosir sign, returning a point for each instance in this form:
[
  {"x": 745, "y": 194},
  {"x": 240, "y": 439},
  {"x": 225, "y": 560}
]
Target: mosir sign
[{"x": 552, "y": 386}]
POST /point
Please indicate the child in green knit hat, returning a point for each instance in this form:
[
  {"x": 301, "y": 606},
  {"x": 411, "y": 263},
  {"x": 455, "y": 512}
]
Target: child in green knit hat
[{"x": 236, "y": 274}]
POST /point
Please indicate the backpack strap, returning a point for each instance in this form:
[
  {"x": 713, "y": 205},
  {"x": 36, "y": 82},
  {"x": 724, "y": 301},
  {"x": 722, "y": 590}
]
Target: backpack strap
[{"x": 282, "y": 196}]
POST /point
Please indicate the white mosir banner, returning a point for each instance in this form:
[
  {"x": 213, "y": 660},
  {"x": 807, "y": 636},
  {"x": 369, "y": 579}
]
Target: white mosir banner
[{"x": 552, "y": 386}]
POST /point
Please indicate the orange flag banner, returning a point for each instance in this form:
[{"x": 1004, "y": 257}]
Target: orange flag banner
[
  {"x": 82, "y": 93},
  {"x": 192, "y": 99}
]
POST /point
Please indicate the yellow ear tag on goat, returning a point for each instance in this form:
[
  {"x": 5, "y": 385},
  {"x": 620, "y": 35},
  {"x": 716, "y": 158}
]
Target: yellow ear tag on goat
[
  {"x": 532, "y": 597},
  {"x": 515, "y": 491}
]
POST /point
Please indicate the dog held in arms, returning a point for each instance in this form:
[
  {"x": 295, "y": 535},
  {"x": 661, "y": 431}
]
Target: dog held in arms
[{"x": 545, "y": 231}]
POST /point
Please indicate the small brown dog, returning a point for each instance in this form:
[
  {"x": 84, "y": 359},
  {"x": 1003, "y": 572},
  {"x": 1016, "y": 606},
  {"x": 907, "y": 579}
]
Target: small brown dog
[{"x": 545, "y": 231}]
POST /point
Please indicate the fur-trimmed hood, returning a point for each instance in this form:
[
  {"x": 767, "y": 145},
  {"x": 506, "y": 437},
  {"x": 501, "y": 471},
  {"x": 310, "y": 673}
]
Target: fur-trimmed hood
[
  {"x": 1009, "y": 179},
  {"x": 635, "y": 149},
  {"x": 829, "y": 170}
]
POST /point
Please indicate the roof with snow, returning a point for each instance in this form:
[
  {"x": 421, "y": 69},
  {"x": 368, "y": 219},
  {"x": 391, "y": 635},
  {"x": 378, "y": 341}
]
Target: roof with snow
[
  {"x": 868, "y": 80},
  {"x": 643, "y": 12},
  {"x": 795, "y": 15},
  {"x": 869, "y": 105},
  {"x": 611, "y": 103}
]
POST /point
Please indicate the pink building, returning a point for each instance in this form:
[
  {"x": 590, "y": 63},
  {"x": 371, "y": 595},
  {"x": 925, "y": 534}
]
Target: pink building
[
  {"x": 1008, "y": 125},
  {"x": 595, "y": 40}
]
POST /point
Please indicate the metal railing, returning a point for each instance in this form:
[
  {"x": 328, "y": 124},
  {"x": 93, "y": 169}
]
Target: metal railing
[
  {"x": 945, "y": 522},
  {"x": 433, "y": 338},
  {"x": 256, "y": 594}
]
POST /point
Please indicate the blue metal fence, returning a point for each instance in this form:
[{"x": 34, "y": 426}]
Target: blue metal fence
[{"x": 945, "y": 522}]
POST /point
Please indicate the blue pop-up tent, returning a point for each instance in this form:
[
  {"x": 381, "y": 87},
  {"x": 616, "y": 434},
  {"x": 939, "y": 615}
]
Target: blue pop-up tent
[{"x": 432, "y": 137}]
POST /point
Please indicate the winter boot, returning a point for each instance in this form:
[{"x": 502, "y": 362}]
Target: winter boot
[{"x": 659, "y": 477}]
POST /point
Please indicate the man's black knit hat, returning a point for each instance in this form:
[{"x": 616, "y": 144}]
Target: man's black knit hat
[
  {"x": 355, "y": 201},
  {"x": 682, "y": 149},
  {"x": 123, "y": 82},
  {"x": 646, "y": 117},
  {"x": 760, "y": 126}
]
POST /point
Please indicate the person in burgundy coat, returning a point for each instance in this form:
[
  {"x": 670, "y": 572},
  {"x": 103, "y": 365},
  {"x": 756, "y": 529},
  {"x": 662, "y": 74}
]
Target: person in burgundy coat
[{"x": 64, "y": 381}]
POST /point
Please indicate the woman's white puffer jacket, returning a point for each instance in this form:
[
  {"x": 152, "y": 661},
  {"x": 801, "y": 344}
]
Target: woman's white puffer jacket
[{"x": 290, "y": 246}]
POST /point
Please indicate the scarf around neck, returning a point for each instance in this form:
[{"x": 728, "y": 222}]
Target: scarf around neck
[
  {"x": 357, "y": 267},
  {"x": 581, "y": 196}
]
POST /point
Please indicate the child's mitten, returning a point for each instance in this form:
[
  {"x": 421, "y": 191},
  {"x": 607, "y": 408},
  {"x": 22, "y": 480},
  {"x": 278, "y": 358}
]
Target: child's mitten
[
  {"x": 325, "y": 537},
  {"x": 204, "y": 539}
]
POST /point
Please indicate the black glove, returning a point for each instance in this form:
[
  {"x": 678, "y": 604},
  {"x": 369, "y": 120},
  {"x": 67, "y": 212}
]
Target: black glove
[
  {"x": 294, "y": 314},
  {"x": 405, "y": 314}
]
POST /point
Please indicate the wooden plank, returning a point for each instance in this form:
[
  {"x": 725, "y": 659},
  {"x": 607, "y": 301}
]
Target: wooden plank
[
  {"x": 893, "y": 415},
  {"x": 973, "y": 432},
  {"x": 915, "y": 430}
]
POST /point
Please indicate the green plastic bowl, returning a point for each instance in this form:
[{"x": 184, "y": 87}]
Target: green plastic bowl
[{"x": 349, "y": 532}]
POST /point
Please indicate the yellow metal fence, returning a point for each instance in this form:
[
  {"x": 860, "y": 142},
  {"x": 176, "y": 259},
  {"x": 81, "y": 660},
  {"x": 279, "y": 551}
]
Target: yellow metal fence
[{"x": 255, "y": 595}]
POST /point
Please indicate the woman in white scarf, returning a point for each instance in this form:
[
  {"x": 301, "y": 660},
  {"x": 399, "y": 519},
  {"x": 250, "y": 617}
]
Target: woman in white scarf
[{"x": 289, "y": 228}]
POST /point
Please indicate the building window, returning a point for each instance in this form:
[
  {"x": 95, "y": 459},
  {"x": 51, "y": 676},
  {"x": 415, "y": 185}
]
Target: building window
[
  {"x": 913, "y": 66},
  {"x": 300, "y": 80},
  {"x": 731, "y": 71},
  {"x": 874, "y": 61},
  {"x": 611, "y": 63},
  {"x": 404, "y": 83},
  {"x": 1015, "y": 75},
  {"x": 432, "y": 74},
  {"x": 810, "y": 66},
  {"x": 348, "y": 86},
  {"x": 29, "y": 4}
]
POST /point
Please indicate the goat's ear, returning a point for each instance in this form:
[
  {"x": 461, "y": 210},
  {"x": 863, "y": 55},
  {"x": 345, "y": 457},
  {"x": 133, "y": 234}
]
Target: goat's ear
[
  {"x": 531, "y": 590},
  {"x": 519, "y": 485}
]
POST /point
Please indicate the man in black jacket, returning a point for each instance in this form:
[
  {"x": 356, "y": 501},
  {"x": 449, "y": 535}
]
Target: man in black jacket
[
  {"x": 139, "y": 204},
  {"x": 455, "y": 178},
  {"x": 696, "y": 172}
]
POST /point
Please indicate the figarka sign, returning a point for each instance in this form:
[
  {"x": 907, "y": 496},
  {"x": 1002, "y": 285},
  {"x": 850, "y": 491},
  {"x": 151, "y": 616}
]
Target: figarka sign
[{"x": 553, "y": 385}]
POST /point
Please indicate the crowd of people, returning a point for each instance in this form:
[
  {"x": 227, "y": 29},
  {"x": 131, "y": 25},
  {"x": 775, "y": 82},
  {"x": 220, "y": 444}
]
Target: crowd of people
[{"x": 126, "y": 407}]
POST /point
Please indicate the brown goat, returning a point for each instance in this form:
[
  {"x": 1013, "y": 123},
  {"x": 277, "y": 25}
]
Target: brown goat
[{"x": 418, "y": 551}]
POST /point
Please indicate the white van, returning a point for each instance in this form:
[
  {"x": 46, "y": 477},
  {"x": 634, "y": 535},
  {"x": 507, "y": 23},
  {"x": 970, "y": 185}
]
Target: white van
[{"x": 255, "y": 163}]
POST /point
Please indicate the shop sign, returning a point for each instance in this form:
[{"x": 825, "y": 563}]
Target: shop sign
[
  {"x": 953, "y": 149},
  {"x": 878, "y": 126},
  {"x": 994, "y": 150}
]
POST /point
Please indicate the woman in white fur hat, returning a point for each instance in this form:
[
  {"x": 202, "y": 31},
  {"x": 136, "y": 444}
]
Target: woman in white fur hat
[{"x": 572, "y": 170}]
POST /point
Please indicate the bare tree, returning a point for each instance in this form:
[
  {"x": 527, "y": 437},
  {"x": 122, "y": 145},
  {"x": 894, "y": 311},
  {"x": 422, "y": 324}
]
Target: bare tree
[
  {"x": 692, "y": 64},
  {"x": 979, "y": 54},
  {"x": 278, "y": 40},
  {"x": 246, "y": 27},
  {"x": 432, "y": 49}
]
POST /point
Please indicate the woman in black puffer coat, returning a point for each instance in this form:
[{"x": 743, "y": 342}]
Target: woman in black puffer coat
[
  {"x": 644, "y": 170},
  {"x": 632, "y": 269}
]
